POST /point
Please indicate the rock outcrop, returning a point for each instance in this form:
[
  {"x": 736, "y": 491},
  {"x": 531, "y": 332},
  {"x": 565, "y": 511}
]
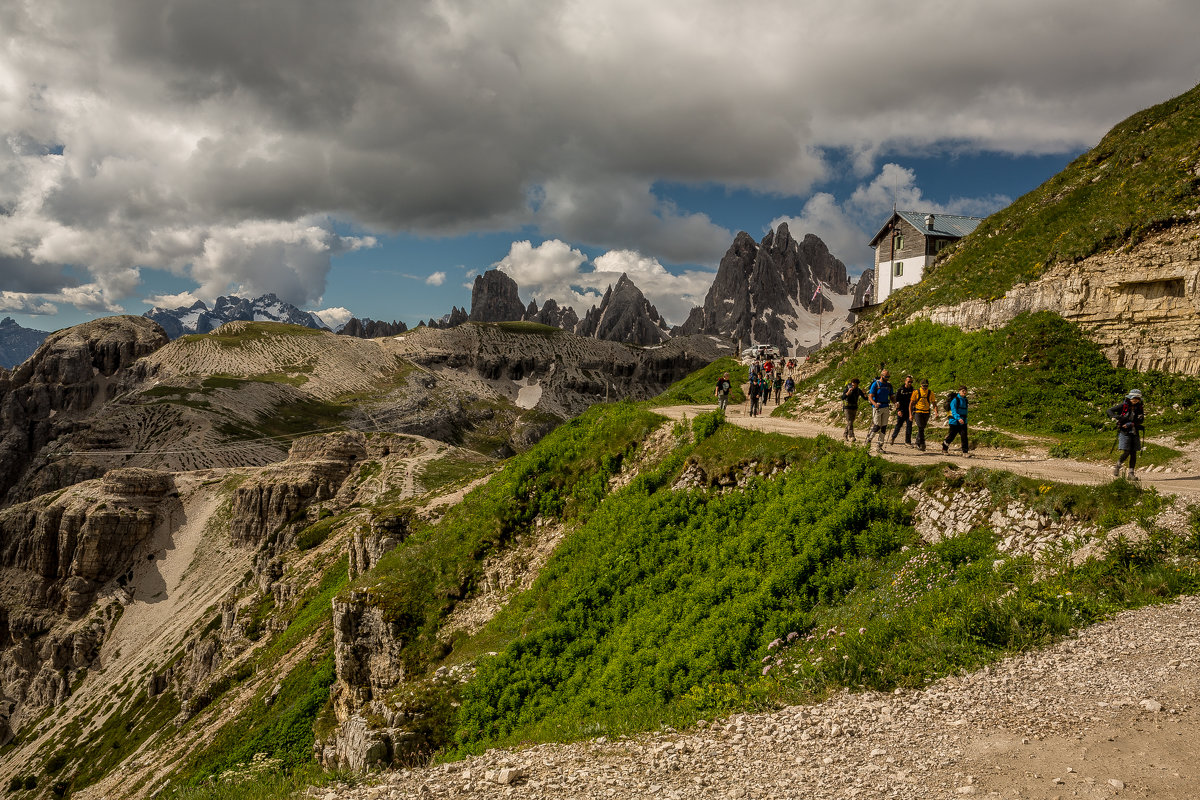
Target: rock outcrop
[
  {"x": 368, "y": 328},
  {"x": 1141, "y": 305},
  {"x": 624, "y": 315},
  {"x": 73, "y": 369},
  {"x": 766, "y": 293},
  {"x": 553, "y": 315},
  {"x": 267, "y": 504},
  {"x": 494, "y": 298},
  {"x": 56, "y": 552},
  {"x": 864, "y": 290}
]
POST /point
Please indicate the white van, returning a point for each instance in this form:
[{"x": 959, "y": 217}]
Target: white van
[{"x": 761, "y": 351}]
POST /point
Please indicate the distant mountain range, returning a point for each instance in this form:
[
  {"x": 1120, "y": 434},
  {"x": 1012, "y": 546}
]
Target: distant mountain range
[
  {"x": 763, "y": 293},
  {"x": 17, "y": 343},
  {"x": 199, "y": 318}
]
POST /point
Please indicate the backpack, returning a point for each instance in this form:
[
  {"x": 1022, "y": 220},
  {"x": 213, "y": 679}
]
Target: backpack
[{"x": 946, "y": 401}]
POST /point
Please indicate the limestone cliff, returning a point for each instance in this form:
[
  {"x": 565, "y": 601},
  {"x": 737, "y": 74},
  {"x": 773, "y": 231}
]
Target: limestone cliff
[
  {"x": 314, "y": 471},
  {"x": 1141, "y": 304},
  {"x": 56, "y": 552},
  {"x": 73, "y": 369}
]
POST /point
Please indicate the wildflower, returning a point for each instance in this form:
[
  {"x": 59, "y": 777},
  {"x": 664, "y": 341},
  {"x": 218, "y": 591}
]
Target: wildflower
[
  {"x": 793, "y": 636},
  {"x": 774, "y": 644},
  {"x": 766, "y": 669},
  {"x": 861, "y": 631}
]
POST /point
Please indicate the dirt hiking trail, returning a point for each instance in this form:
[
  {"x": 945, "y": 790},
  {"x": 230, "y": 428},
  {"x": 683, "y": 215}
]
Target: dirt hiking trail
[{"x": 1064, "y": 470}]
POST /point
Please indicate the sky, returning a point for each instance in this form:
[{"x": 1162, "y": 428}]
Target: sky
[{"x": 371, "y": 157}]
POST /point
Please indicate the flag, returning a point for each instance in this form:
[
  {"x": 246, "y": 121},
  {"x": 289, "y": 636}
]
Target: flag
[{"x": 817, "y": 292}]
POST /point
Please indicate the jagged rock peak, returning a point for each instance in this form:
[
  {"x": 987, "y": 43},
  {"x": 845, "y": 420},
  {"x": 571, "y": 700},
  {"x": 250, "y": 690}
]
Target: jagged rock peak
[
  {"x": 494, "y": 298},
  {"x": 766, "y": 292},
  {"x": 624, "y": 315},
  {"x": 368, "y": 328},
  {"x": 554, "y": 315}
]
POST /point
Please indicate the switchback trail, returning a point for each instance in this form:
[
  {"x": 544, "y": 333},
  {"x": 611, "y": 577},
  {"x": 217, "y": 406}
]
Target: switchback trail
[{"x": 1063, "y": 470}]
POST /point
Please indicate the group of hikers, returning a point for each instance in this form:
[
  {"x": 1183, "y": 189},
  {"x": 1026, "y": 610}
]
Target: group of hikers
[
  {"x": 912, "y": 404},
  {"x": 916, "y": 405},
  {"x": 766, "y": 377}
]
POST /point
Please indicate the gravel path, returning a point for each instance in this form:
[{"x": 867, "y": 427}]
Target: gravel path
[
  {"x": 1065, "y": 470},
  {"x": 1108, "y": 713}
]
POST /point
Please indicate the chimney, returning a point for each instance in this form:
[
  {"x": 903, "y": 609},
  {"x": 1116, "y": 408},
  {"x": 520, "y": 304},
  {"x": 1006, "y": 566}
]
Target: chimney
[{"x": 929, "y": 221}]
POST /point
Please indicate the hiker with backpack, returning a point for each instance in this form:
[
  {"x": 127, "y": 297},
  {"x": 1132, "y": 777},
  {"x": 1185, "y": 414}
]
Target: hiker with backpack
[
  {"x": 778, "y": 385},
  {"x": 1130, "y": 415},
  {"x": 722, "y": 390},
  {"x": 850, "y": 397},
  {"x": 789, "y": 386},
  {"x": 756, "y": 393},
  {"x": 921, "y": 406},
  {"x": 880, "y": 397},
  {"x": 955, "y": 405},
  {"x": 904, "y": 411}
]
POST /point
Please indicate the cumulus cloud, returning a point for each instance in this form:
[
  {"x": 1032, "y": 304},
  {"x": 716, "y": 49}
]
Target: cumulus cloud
[
  {"x": 219, "y": 140},
  {"x": 436, "y": 279},
  {"x": 25, "y": 303},
  {"x": 846, "y": 227},
  {"x": 555, "y": 270}
]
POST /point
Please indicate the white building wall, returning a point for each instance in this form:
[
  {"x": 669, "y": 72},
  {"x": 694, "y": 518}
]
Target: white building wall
[{"x": 886, "y": 281}]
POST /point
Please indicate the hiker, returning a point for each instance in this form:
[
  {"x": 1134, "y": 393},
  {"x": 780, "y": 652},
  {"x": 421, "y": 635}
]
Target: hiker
[
  {"x": 789, "y": 386},
  {"x": 1130, "y": 415},
  {"x": 850, "y": 397},
  {"x": 957, "y": 406},
  {"x": 880, "y": 397},
  {"x": 920, "y": 407},
  {"x": 904, "y": 411},
  {"x": 755, "y": 395},
  {"x": 722, "y": 390},
  {"x": 778, "y": 386}
]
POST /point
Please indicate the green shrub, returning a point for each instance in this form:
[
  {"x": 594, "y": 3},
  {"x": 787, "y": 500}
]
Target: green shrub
[{"x": 705, "y": 425}]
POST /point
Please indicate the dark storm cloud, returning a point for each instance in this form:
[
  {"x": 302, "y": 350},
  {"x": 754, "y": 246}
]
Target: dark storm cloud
[{"x": 219, "y": 138}]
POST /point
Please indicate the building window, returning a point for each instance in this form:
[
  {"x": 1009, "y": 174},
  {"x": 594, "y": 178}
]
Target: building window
[
  {"x": 898, "y": 241},
  {"x": 898, "y": 268}
]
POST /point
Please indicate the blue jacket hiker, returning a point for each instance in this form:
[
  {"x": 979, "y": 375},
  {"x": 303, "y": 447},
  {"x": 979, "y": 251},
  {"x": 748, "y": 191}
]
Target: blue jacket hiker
[
  {"x": 880, "y": 395},
  {"x": 958, "y": 421}
]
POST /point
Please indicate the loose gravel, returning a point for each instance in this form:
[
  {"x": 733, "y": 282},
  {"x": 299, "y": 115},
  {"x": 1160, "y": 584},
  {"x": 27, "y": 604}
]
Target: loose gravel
[{"x": 1107, "y": 713}]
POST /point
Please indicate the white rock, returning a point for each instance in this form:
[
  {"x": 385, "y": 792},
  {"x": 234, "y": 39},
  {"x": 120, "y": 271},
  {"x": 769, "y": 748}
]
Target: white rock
[{"x": 1151, "y": 705}]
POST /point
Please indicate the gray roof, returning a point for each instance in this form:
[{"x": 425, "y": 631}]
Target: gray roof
[{"x": 950, "y": 226}]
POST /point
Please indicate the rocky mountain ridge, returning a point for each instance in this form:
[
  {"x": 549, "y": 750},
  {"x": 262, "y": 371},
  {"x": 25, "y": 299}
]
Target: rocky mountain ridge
[
  {"x": 17, "y": 343},
  {"x": 767, "y": 293},
  {"x": 199, "y": 318}
]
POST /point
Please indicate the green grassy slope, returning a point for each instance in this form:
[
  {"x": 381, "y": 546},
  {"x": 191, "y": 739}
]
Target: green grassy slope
[{"x": 1142, "y": 176}]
